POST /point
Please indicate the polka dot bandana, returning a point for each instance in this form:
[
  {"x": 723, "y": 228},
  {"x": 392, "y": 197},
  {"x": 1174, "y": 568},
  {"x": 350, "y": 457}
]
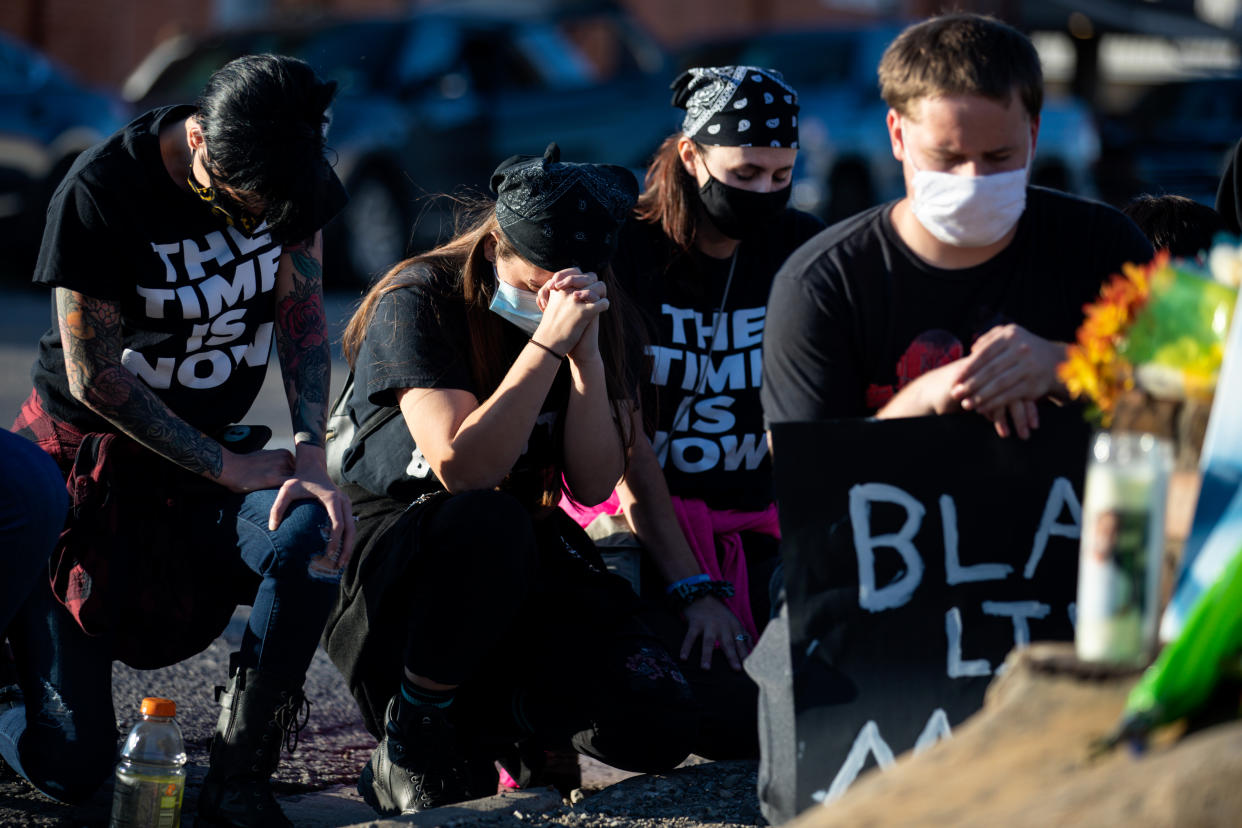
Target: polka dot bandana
[{"x": 737, "y": 106}]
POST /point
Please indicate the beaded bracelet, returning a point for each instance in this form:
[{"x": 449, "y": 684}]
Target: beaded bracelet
[
  {"x": 687, "y": 594},
  {"x": 544, "y": 347},
  {"x": 693, "y": 579}
]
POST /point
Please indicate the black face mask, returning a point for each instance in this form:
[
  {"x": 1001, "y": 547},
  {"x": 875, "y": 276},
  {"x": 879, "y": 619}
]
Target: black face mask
[{"x": 740, "y": 213}]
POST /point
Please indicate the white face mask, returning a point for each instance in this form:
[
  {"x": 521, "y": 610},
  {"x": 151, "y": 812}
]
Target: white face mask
[
  {"x": 968, "y": 210},
  {"x": 516, "y": 305}
]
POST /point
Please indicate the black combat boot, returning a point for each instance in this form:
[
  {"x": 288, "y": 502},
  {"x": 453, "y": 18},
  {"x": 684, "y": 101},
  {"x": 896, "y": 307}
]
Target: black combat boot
[
  {"x": 257, "y": 718},
  {"x": 419, "y": 764}
]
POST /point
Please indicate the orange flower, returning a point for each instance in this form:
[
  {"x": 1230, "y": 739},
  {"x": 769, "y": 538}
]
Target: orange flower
[
  {"x": 1104, "y": 322},
  {"x": 1093, "y": 368},
  {"x": 1078, "y": 372}
]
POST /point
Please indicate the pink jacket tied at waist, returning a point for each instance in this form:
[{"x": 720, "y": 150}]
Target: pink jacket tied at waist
[{"x": 705, "y": 529}]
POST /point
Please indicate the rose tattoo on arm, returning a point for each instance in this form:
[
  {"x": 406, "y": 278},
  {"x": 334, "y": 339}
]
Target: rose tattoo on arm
[{"x": 302, "y": 344}]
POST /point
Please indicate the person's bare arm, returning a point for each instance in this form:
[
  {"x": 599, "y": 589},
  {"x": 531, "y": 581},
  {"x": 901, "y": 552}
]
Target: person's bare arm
[
  {"x": 648, "y": 510},
  {"x": 594, "y": 452},
  {"x": 928, "y": 394},
  {"x": 90, "y": 331},
  {"x": 1007, "y": 371},
  {"x": 306, "y": 365},
  {"x": 473, "y": 444},
  {"x": 302, "y": 340}
]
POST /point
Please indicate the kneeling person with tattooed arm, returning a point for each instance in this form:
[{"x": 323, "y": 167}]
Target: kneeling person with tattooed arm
[{"x": 178, "y": 249}]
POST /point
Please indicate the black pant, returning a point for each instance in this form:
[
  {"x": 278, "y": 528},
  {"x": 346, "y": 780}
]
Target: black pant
[{"x": 521, "y": 614}]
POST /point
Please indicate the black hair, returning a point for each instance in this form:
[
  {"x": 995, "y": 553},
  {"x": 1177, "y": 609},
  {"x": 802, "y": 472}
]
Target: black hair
[
  {"x": 263, "y": 119},
  {"x": 1181, "y": 225}
]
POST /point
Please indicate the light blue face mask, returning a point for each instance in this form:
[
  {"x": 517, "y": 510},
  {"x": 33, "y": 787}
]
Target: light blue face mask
[{"x": 515, "y": 305}]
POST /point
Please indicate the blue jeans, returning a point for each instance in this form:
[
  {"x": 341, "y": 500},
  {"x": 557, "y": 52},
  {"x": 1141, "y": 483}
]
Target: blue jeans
[
  {"x": 32, "y": 513},
  {"x": 69, "y": 746}
]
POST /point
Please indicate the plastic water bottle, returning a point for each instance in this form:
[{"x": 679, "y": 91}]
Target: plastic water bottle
[{"x": 150, "y": 778}]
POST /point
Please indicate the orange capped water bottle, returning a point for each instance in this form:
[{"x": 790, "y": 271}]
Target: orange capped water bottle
[{"x": 150, "y": 777}]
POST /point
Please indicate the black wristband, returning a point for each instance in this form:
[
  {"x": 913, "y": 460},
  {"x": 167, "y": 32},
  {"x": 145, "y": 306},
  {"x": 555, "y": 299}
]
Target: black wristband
[
  {"x": 544, "y": 347},
  {"x": 687, "y": 594}
]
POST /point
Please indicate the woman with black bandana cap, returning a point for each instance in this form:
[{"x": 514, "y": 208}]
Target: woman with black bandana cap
[
  {"x": 498, "y": 360},
  {"x": 699, "y": 254}
]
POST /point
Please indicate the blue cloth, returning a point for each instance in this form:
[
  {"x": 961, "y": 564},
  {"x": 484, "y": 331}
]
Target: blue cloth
[
  {"x": 293, "y": 602},
  {"x": 33, "y": 501},
  {"x": 69, "y": 745}
]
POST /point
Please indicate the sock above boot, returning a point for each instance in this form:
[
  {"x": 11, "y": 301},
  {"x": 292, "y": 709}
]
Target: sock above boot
[{"x": 413, "y": 696}]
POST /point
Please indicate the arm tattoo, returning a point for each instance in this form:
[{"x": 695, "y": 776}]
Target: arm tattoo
[
  {"x": 302, "y": 343},
  {"x": 90, "y": 330}
]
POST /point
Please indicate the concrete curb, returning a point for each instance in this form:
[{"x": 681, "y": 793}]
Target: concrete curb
[{"x": 341, "y": 807}]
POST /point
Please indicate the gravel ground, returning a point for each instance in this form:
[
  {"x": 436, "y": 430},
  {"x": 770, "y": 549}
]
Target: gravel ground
[
  {"x": 700, "y": 794},
  {"x": 705, "y": 795},
  {"x": 334, "y": 746}
]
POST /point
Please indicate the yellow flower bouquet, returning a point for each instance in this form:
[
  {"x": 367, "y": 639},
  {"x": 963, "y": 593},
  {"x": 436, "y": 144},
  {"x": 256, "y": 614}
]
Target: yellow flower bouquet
[{"x": 1160, "y": 327}]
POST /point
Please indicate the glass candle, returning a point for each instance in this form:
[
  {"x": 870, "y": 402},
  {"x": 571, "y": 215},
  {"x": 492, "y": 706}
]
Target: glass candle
[{"x": 1120, "y": 548}]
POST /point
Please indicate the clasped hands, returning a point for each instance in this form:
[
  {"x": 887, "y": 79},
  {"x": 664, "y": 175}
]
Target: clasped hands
[{"x": 571, "y": 302}]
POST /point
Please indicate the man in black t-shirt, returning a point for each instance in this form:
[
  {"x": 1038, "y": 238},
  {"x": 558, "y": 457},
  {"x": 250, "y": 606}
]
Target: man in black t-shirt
[
  {"x": 962, "y": 295},
  {"x": 178, "y": 250}
]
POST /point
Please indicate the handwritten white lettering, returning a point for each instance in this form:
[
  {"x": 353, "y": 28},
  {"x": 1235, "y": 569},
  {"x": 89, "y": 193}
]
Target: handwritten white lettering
[{"x": 899, "y": 591}]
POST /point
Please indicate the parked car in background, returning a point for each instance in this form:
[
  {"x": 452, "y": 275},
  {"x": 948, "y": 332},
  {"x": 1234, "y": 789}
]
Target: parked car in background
[
  {"x": 846, "y": 162},
  {"x": 46, "y": 119},
  {"x": 431, "y": 100},
  {"x": 1176, "y": 138}
]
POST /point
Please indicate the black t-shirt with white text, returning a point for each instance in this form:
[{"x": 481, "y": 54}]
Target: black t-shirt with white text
[
  {"x": 196, "y": 296},
  {"x": 705, "y": 371},
  {"x": 862, "y": 315},
  {"x": 419, "y": 337}
]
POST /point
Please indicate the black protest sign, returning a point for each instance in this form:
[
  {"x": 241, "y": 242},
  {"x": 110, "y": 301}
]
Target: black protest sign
[{"x": 917, "y": 553}]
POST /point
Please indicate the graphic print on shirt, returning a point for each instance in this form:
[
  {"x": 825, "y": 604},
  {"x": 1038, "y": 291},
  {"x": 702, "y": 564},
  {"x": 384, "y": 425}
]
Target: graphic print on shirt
[
  {"x": 418, "y": 465},
  {"x": 929, "y": 350},
  {"x": 216, "y": 290},
  {"x": 706, "y": 433}
]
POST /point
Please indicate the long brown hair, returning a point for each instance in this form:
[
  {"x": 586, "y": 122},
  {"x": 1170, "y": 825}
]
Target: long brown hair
[
  {"x": 464, "y": 255},
  {"x": 461, "y": 255},
  {"x": 671, "y": 195}
]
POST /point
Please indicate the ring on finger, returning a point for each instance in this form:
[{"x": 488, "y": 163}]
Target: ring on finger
[{"x": 741, "y": 637}]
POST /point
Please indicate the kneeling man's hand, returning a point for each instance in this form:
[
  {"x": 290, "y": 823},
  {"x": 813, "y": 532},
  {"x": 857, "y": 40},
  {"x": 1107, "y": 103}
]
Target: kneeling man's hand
[
  {"x": 1008, "y": 370},
  {"x": 930, "y": 393}
]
